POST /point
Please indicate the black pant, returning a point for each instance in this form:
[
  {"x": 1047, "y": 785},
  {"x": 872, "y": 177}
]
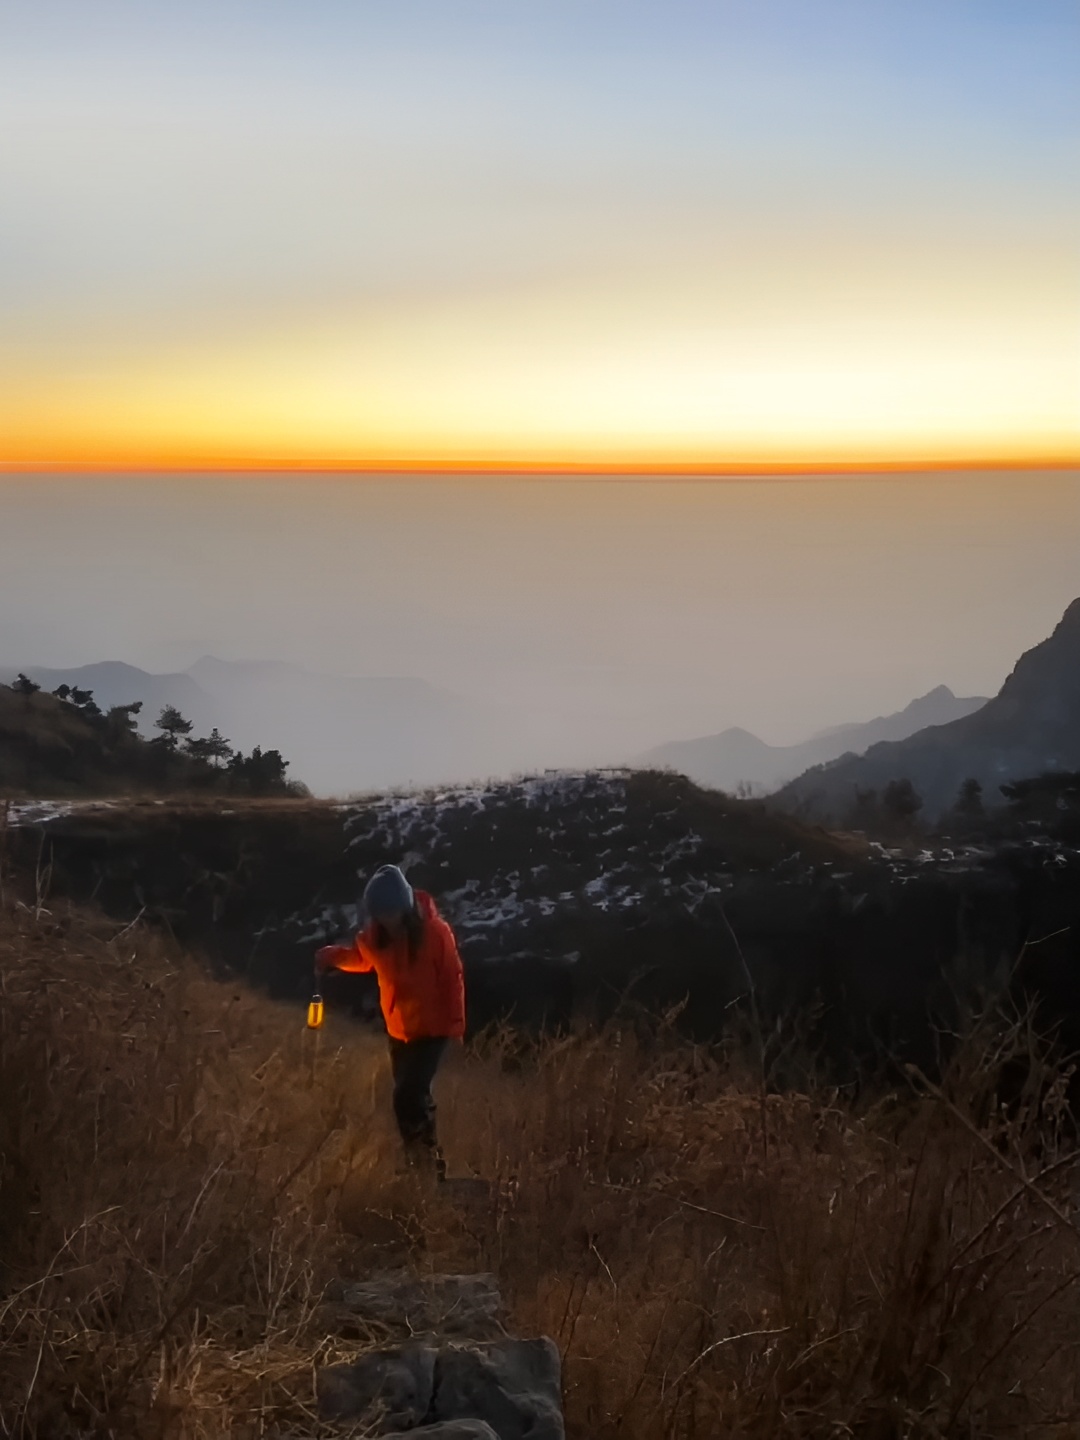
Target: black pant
[{"x": 414, "y": 1063}]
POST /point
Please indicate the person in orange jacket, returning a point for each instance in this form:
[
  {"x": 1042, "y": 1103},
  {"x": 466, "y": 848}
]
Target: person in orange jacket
[{"x": 415, "y": 958}]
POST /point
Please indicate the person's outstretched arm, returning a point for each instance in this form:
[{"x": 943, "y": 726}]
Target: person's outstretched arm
[{"x": 349, "y": 958}]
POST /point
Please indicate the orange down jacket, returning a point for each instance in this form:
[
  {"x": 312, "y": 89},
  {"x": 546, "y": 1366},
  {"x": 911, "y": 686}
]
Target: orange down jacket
[{"x": 422, "y": 996}]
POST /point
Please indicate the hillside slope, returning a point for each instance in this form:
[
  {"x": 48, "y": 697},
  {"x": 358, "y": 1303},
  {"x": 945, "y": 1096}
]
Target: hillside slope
[
  {"x": 568, "y": 891},
  {"x": 549, "y": 881},
  {"x": 51, "y": 748},
  {"x": 1030, "y": 727},
  {"x": 736, "y": 757}
]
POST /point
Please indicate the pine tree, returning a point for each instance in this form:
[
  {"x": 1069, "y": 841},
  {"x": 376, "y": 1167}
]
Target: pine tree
[
  {"x": 172, "y": 726},
  {"x": 84, "y": 700},
  {"x": 121, "y": 718},
  {"x": 969, "y": 801},
  {"x": 901, "y": 802},
  {"x": 218, "y": 748}
]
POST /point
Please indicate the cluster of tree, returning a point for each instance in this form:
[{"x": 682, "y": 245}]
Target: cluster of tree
[
  {"x": 892, "y": 811},
  {"x": 1058, "y": 788},
  {"x": 1050, "y": 801},
  {"x": 260, "y": 773},
  {"x": 895, "y": 810},
  {"x": 173, "y": 755},
  {"x": 118, "y": 721}
]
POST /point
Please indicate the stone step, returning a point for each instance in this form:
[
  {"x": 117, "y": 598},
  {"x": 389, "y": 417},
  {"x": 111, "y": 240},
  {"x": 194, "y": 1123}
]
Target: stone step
[
  {"x": 462, "y": 1307},
  {"x": 513, "y": 1386}
]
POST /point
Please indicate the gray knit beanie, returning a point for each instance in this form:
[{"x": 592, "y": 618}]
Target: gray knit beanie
[{"x": 388, "y": 893}]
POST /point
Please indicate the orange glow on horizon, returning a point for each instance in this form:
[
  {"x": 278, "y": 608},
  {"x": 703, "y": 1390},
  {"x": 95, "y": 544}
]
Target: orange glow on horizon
[
  {"x": 547, "y": 386},
  {"x": 553, "y": 468}
]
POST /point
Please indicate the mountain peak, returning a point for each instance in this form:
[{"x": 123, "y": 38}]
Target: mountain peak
[{"x": 1050, "y": 666}]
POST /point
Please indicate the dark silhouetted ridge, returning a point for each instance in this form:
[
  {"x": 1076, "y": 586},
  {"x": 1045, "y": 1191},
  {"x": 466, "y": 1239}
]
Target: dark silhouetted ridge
[{"x": 1031, "y": 727}]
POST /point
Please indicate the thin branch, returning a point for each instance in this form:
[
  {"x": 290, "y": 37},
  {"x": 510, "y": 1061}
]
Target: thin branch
[
  {"x": 725, "y": 1340},
  {"x": 972, "y": 1129}
]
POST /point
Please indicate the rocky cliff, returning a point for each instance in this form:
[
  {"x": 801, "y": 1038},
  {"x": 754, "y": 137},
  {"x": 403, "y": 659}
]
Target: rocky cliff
[{"x": 1030, "y": 727}]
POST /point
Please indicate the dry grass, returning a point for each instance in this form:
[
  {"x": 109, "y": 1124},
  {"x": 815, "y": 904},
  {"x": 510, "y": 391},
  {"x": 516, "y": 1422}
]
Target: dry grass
[
  {"x": 181, "y": 1172},
  {"x": 714, "y": 1263}
]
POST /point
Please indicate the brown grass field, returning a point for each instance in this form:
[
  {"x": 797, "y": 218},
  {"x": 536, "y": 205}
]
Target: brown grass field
[{"x": 184, "y": 1168}]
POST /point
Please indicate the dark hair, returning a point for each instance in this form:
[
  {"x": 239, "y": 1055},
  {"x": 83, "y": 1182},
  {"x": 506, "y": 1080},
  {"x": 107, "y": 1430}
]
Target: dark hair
[{"x": 414, "y": 931}]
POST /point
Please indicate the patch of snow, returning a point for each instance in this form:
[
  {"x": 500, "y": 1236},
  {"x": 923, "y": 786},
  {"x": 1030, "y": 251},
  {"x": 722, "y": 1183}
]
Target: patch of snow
[{"x": 21, "y": 813}]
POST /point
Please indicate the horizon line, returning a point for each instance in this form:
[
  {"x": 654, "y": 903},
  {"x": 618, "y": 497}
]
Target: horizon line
[{"x": 614, "y": 469}]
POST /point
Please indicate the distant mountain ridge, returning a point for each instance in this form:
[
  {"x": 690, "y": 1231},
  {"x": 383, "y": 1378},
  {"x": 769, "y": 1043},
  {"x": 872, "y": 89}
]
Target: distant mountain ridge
[
  {"x": 1030, "y": 727},
  {"x": 350, "y": 734},
  {"x": 340, "y": 734},
  {"x": 114, "y": 682},
  {"x": 736, "y": 757}
]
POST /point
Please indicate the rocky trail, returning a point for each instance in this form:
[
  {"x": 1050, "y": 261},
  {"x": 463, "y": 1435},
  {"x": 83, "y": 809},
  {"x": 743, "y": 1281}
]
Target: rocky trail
[{"x": 439, "y": 1363}]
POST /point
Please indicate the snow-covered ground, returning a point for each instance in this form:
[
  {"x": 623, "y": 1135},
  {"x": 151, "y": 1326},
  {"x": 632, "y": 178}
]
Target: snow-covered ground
[
  {"x": 574, "y": 823},
  {"x": 555, "y": 863},
  {"x": 19, "y": 813},
  {"x": 514, "y": 863}
]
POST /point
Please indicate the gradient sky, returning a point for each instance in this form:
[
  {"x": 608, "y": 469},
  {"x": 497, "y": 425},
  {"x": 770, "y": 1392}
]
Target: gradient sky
[{"x": 323, "y": 232}]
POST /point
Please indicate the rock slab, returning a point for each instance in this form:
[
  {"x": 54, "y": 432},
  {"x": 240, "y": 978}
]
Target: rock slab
[
  {"x": 512, "y": 1389},
  {"x": 513, "y": 1385},
  {"x": 393, "y": 1388},
  {"x": 454, "y": 1374}
]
